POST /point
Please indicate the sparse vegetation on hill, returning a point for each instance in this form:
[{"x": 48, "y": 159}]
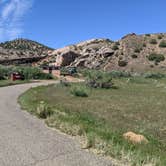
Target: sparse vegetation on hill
[
  {"x": 153, "y": 41},
  {"x": 156, "y": 57},
  {"x": 162, "y": 43},
  {"x": 122, "y": 63},
  {"x": 91, "y": 54},
  {"x": 137, "y": 50},
  {"x": 134, "y": 56},
  {"x": 22, "y": 49},
  {"x": 160, "y": 36},
  {"x": 24, "y": 44},
  {"x": 105, "y": 54},
  {"x": 115, "y": 47}
]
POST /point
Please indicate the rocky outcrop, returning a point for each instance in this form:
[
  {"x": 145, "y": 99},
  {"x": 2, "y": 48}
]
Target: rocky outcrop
[
  {"x": 130, "y": 53},
  {"x": 88, "y": 54},
  {"x": 66, "y": 58},
  {"x": 20, "y": 61}
]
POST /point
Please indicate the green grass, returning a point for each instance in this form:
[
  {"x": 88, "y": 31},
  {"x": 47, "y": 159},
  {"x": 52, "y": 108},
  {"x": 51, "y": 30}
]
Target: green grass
[
  {"x": 137, "y": 104},
  {"x": 10, "y": 83},
  {"x": 79, "y": 91}
]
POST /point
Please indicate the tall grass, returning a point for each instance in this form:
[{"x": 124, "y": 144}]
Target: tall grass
[
  {"x": 79, "y": 90},
  {"x": 99, "y": 79}
]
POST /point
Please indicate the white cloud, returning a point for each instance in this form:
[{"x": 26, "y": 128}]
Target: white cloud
[{"x": 11, "y": 17}]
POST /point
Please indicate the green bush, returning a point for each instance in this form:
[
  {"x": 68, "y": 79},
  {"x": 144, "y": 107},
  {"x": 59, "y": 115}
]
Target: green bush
[
  {"x": 32, "y": 73},
  {"x": 119, "y": 74},
  {"x": 153, "y": 41},
  {"x": 154, "y": 75},
  {"x": 134, "y": 56},
  {"x": 43, "y": 76},
  {"x": 99, "y": 79},
  {"x": 43, "y": 110},
  {"x": 156, "y": 57},
  {"x": 79, "y": 91},
  {"x": 159, "y": 36},
  {"x": 4, "y": 72},
  {"x": 27, "y": 72},
  {"x": 117, "y": 43},
  {"x": 113, "y": 73},
  {"x": 115, "y": 47},
  {"x": 162, "y": 43},
  {"x": 137, "y": 50},
  {"x": 122, "y": 63},
  {"x": 144, "y": 45}
]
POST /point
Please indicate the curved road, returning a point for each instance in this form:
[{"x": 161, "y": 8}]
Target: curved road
[{"x": 27, "y": 141}]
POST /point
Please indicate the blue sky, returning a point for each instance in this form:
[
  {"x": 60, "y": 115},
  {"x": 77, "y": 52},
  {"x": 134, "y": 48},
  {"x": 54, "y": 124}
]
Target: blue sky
[{"x": 57, "y": 23}]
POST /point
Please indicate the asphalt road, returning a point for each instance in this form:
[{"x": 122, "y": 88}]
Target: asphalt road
[{"x": 27, "y": 141}]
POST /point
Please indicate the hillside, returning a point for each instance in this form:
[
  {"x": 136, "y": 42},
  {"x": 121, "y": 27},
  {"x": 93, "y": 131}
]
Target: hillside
[
  {"x": 22, "y": 51},
  {"x": 132, "y": 52}
]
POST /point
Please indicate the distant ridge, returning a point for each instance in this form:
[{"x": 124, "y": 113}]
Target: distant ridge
[{"x": 22, "y": 51}]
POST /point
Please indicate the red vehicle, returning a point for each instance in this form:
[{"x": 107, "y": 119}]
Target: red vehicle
[{"x": 16, "y": 76}]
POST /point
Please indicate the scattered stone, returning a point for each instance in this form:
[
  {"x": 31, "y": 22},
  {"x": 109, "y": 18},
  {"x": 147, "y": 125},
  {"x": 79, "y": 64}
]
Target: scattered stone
[{"x": 135, "y": 138}]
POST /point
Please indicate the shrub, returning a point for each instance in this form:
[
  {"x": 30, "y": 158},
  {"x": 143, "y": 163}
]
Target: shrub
[
  {"x": 32, "y": 73},
  {"x": 156, "y": 63},
  {"x": 4, "y": 72},
  {"x": 122, "y": 63},
  {"x": 154, "y": 75},
  {"x": 119, "y": 74},
  {"x": 159, "y": 36},
  {"x": 64, "y": 82},
  {"x": 162, "y": 43},
  {"x": 43, "y": 110},
  {"x": 137, "y": 50},
  {"x": 134, "y": 56},
  {"x": 144, "y": 45},
  {"x": 27, "y": 72},
  {"x": 117, "y": 43},
  {"x": 115, "y": 47},
  {"x": 43, "y": 76},
  {"x": 148, "y": 35},
  {"x": 151, "y": 66},
  {"x": 79, "y": 91},
  {"x": 156, "y": 57},
  {"x": 153, "y": 41},
  {"x": 99, "y": 79}
]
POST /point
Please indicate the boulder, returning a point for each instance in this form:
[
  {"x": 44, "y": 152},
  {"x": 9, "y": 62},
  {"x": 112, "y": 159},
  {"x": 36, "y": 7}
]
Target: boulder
[
  {"x": 66, "y": 58},
  {"x": 80, "y": 63},
  {"x": 107, "y": 52},
  {"x": 135, "y": 138}
]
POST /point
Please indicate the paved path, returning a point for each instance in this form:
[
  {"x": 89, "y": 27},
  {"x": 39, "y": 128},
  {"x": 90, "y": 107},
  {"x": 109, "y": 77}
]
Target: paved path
[{"x": 27, "y": 141}]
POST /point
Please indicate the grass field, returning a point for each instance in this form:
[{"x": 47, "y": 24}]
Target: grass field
[{"x": 137, "y": 104}]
